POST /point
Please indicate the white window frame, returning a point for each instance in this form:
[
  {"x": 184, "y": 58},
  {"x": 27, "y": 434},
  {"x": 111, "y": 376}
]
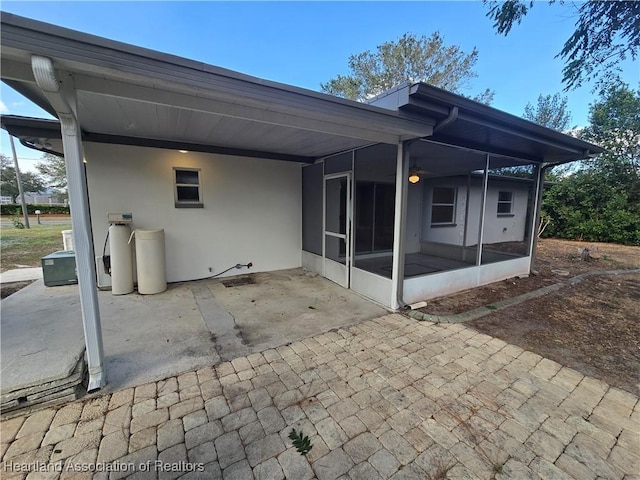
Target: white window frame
[
  {"x": 505, "y": 202},
  {"x": 187, "y": 203},
  {"x": 452, "y": 222}
]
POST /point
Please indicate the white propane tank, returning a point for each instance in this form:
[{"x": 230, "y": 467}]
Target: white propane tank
[
  {"x": 150, "y": 261},
  {"x": 67, "y": 240},
  {"x": 121, "y": 259}
]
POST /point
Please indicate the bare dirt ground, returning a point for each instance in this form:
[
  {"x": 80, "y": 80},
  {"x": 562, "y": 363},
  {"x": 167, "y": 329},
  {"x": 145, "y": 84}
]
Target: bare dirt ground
[
  {"x": 556, "y": 261},
  {"x": 7, "y": 289},
  {"x": 592, "y": 326}
]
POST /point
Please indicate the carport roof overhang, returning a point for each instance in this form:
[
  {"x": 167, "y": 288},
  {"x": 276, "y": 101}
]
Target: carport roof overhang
[
  {"x": 131, "y": 95},
  {"x": 467, "y": 123}
]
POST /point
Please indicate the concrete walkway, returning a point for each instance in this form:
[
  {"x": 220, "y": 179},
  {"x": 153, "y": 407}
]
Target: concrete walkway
[
  {"x": 21, "y": 275},
  {"x": 387, "y": 398}
]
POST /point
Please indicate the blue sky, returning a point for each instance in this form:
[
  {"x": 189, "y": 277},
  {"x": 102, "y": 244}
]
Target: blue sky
[{"x": 306, "y": 43}]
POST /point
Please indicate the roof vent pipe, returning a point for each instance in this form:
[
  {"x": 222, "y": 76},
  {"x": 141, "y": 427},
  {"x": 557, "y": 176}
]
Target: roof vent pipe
[{"x": 453, "y": 115}]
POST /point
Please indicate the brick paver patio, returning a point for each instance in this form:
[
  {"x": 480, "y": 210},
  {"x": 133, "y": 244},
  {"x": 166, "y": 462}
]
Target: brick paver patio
[{"x": 388, "y": 398}]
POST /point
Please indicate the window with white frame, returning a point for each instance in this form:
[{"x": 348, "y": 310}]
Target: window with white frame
[
  {"x": 443, "y": 206},
  {"x": 505, "y": 203},
  {"x": 187, "y": 187}
]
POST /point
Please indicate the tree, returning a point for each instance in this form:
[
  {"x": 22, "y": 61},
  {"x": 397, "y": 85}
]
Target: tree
[
  {"x": 54, "y": 171},
  {"x": 615, "y": 125},
  {"x": 606, "y": 33},
  {"x": 31, "y": 182},
  {"x": 601, "y": 201},
  {"x": 551, "y": 111},
  {"x": 409, "y": 59}
]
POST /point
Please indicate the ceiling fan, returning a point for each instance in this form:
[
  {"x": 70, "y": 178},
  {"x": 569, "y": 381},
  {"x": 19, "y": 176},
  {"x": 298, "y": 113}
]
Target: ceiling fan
[{"x": 416, "y": 173}]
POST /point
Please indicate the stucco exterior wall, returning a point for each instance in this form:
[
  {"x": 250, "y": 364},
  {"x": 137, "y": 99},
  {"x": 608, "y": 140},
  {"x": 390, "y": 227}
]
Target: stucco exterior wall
[
  {"x": 252, "y": 207},
  {"x": 498, "y": 228}
]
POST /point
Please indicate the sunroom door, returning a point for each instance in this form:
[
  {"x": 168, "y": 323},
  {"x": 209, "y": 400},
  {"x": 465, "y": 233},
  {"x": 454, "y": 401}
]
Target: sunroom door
[{"x": 337, "y": 230}]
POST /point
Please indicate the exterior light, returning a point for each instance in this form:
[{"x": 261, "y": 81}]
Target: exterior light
[
  {"x": 183, "y": 151},
  {"x": 413, "y": 175}
]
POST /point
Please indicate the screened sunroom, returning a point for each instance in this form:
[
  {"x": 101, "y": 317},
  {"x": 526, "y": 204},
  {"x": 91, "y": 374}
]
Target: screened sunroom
[
  {"x": 455, "y": 218},
  {"x": 435, "y": 215}
]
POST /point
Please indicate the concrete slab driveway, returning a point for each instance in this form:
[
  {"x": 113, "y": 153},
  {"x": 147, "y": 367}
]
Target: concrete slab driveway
[{"x": 387, "y": 398}]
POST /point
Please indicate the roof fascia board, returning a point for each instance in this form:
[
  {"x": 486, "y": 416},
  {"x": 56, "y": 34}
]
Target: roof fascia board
[
  {"x": 492, "y": 116},
  {"x": 392, "y": 98},
  {"x": 73, "y": 49},
  {"x": 574, "y": 149},
  {"x": 36, "y": 132}
]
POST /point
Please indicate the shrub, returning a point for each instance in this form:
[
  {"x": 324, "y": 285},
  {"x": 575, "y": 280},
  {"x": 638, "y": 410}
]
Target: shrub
[{"x": 13, "y": 209}]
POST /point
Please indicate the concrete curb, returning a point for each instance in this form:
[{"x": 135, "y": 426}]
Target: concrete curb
[{"x": 495, "y": 307}]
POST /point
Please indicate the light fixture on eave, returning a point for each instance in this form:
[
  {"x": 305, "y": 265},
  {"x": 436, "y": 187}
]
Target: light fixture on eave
[
  {"x": 414, "y": 174},
  {"x": 183, "y": 151}
]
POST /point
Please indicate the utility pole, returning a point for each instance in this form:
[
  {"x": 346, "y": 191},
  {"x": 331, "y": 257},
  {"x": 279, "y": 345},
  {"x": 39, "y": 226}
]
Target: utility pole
[{"x": 19, "y": 179}]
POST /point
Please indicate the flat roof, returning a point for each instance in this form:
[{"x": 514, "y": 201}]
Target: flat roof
[
  {"x": 127, "y": 94},
  {"x": 474, "y": 125},
  {"x": 136, "y": 96}
]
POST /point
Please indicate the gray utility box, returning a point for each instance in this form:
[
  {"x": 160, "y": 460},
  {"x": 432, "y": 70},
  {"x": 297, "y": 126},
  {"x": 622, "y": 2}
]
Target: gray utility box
[{"x": 59, "y": 268}]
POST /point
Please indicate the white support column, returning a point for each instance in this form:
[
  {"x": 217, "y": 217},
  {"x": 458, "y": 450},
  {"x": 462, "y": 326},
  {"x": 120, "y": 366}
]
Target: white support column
[
  {"x": 400, "y": 225},
  {"x": 483, "y": 202},
  {"x": 64, "y": 102}
]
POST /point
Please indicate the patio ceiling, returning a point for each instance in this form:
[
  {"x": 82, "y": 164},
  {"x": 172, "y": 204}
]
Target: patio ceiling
[{"x": 130, "y": 95}]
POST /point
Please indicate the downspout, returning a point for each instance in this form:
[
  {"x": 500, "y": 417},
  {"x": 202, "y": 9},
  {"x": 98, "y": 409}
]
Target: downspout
[
  {"x": 402, "y": 173},
  {"x": 483, "y": 203},
  {"x": 453, "y": 115},
  {"x": 539, "y": 174},
  {"x": 536, "y": 224},
  {"x": 63, "y": 102}
]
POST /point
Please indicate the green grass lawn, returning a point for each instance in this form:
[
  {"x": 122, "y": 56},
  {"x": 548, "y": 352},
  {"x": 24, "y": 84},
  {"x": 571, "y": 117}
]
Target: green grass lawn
[{"x": 25, "y": 247}]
